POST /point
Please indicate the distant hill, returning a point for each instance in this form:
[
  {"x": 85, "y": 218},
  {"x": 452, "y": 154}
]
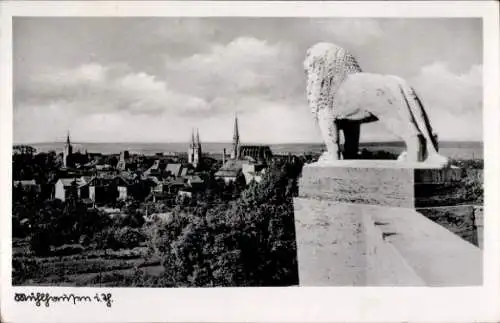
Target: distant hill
[{"x": 454, "y": 149}]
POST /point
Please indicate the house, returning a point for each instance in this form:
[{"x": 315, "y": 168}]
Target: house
[
  {"x": 124, "y": 183},
  {"x": 102, "y": 190},
  {"x": 23, "y": 150},
  {"x": 185, "y": 192},
  {"x": 253, "y": 172},
  {"x": 285, "y": 157},
  {"x": 105, "y": 167},
  {"x": 63, "y": 186},
  {"x": 195, "y": 182},
  {"x": 155, "y": 169},
  {"x": 231, "y": 170},
  {"x": 108, "y": 188},
  {"x": 122, "y": 192},
  {"x": 184, "y": 172},
  {"x": 84, "y": 186},
  {"x": 27, "y": 185},
  {"x": 167, "y": 188},
  {"x": 174, "y": 169},
  {"x": 85, "y": 179},
  {"x": 91, "y": 164},
  {"x": 88, "y": 203}
]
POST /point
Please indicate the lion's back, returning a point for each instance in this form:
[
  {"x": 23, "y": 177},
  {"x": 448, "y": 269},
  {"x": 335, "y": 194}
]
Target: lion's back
[{"x": 364, "y": 93}]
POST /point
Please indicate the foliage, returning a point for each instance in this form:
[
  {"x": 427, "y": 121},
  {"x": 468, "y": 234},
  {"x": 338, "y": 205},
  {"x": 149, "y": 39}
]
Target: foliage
[
  {"x": 42, "y": 167},
  {"x": 119, "y": 238},
  {"x": 137, "y": 278},
  {"x": 55, "y": 223},
  {"x": 129, "y": 238},
  {"x": 140, "y": 191},
  {"x": 473, "y": 190},
  {"x": 246, "y": 242},
  {"x": 65, "y": 250},
  {"x": 23, "y": 269},
  {"x": 41, "y": 241},
  {"x": 468, "y": 163},
  {"x": 133, "y": 216}
]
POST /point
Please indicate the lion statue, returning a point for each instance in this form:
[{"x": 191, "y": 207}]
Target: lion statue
[{"x": 342, "y": 97}]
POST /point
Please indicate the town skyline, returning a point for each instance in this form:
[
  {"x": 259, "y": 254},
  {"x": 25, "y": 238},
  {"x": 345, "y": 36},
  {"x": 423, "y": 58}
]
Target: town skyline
[{"x": 152, "y": 79}]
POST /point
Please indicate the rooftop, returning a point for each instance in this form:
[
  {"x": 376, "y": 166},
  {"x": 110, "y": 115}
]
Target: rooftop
[
  {"x": 25, "y": 182},
  {"x": 231, "y": 168}
]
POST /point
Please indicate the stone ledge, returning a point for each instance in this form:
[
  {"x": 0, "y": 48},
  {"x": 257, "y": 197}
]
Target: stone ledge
[
  {"x": 341, "y": 244},
  {"x": 437, "y": 255}
]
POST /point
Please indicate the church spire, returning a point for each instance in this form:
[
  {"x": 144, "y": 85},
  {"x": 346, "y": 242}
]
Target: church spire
[
  {"x": 67, "y": 152},
  {"x": 193, "y": 142},
  {"x": 198, "y": 143},
  {"x": 236, "y": 133},
  {"x": 236, "y": 139}
]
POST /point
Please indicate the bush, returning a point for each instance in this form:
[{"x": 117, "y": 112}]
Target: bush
[
  {"x": 134, "y": 220},
  {"x": 24, "y": 269},
  {"x": 20, "y": 229},
  {"x": 106, "y": 239},
  {"x": 66, "y": 250},
  {"x": 40, "y": 242},
  {"x": 84, "y": 240},
  {"x": 119, "y": 238},
  {"x": 129, "y": 237}
]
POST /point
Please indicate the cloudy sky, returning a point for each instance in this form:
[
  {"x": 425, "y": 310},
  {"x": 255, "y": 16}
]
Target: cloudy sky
[{"x": 153, "y": 79}]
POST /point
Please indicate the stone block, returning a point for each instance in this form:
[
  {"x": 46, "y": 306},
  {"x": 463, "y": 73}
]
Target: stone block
[
  {"x": 339, "y": 244},
  {"x": 330, "y": 244},
  {"x": 387, "y": 183}
]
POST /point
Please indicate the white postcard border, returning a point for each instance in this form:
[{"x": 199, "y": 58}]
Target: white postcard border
[{"x": 295, "y": 304}]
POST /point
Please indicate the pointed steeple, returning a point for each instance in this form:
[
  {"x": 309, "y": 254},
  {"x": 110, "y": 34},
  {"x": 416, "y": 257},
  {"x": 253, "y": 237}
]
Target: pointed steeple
[
  {"x": 236, "y": 133},
  {"x": 192, "y": 138},
  {"x": 236, "y": 140},
  {"x": 67, "y": 152},
  {"x": 198, "y": 143}
]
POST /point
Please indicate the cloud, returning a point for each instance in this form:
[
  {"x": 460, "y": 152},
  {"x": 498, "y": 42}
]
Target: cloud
[
  {"x": 93, "y": 88},
  {"x": 349, "y": 31},
  {"x": 453, "y": 101},
  {"x": 228, "y": 75}
]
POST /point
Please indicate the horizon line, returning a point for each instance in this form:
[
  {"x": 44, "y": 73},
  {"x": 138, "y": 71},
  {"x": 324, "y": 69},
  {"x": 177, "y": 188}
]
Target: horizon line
[{"x": 224, "y": 142}]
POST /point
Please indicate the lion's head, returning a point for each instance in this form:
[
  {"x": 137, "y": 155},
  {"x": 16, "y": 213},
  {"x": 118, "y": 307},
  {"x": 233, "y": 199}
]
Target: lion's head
[{"x": 326, "y": 65}]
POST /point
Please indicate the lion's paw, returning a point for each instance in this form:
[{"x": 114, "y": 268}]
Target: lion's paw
[
  {"x": 403, "y": 156},
  {"x": 328, "y": 157},
  {"x": 437, "y": 159}
]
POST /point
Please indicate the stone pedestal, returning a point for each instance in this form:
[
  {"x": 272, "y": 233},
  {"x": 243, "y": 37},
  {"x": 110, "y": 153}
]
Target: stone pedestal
[{"x": 356, "y": 225}]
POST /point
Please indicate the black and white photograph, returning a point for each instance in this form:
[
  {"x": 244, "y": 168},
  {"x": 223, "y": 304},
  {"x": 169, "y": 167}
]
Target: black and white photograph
[
  {"x": 175, "y": 152},
  {"x": 172, "y": 152}
]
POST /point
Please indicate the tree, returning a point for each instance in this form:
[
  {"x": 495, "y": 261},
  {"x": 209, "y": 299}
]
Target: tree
[
  {"x": 246, "y": 242},
  {"x": 40, "y": 241}
]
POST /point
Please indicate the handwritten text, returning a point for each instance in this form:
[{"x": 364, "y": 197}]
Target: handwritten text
[{"x": 46, "y": 299}]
